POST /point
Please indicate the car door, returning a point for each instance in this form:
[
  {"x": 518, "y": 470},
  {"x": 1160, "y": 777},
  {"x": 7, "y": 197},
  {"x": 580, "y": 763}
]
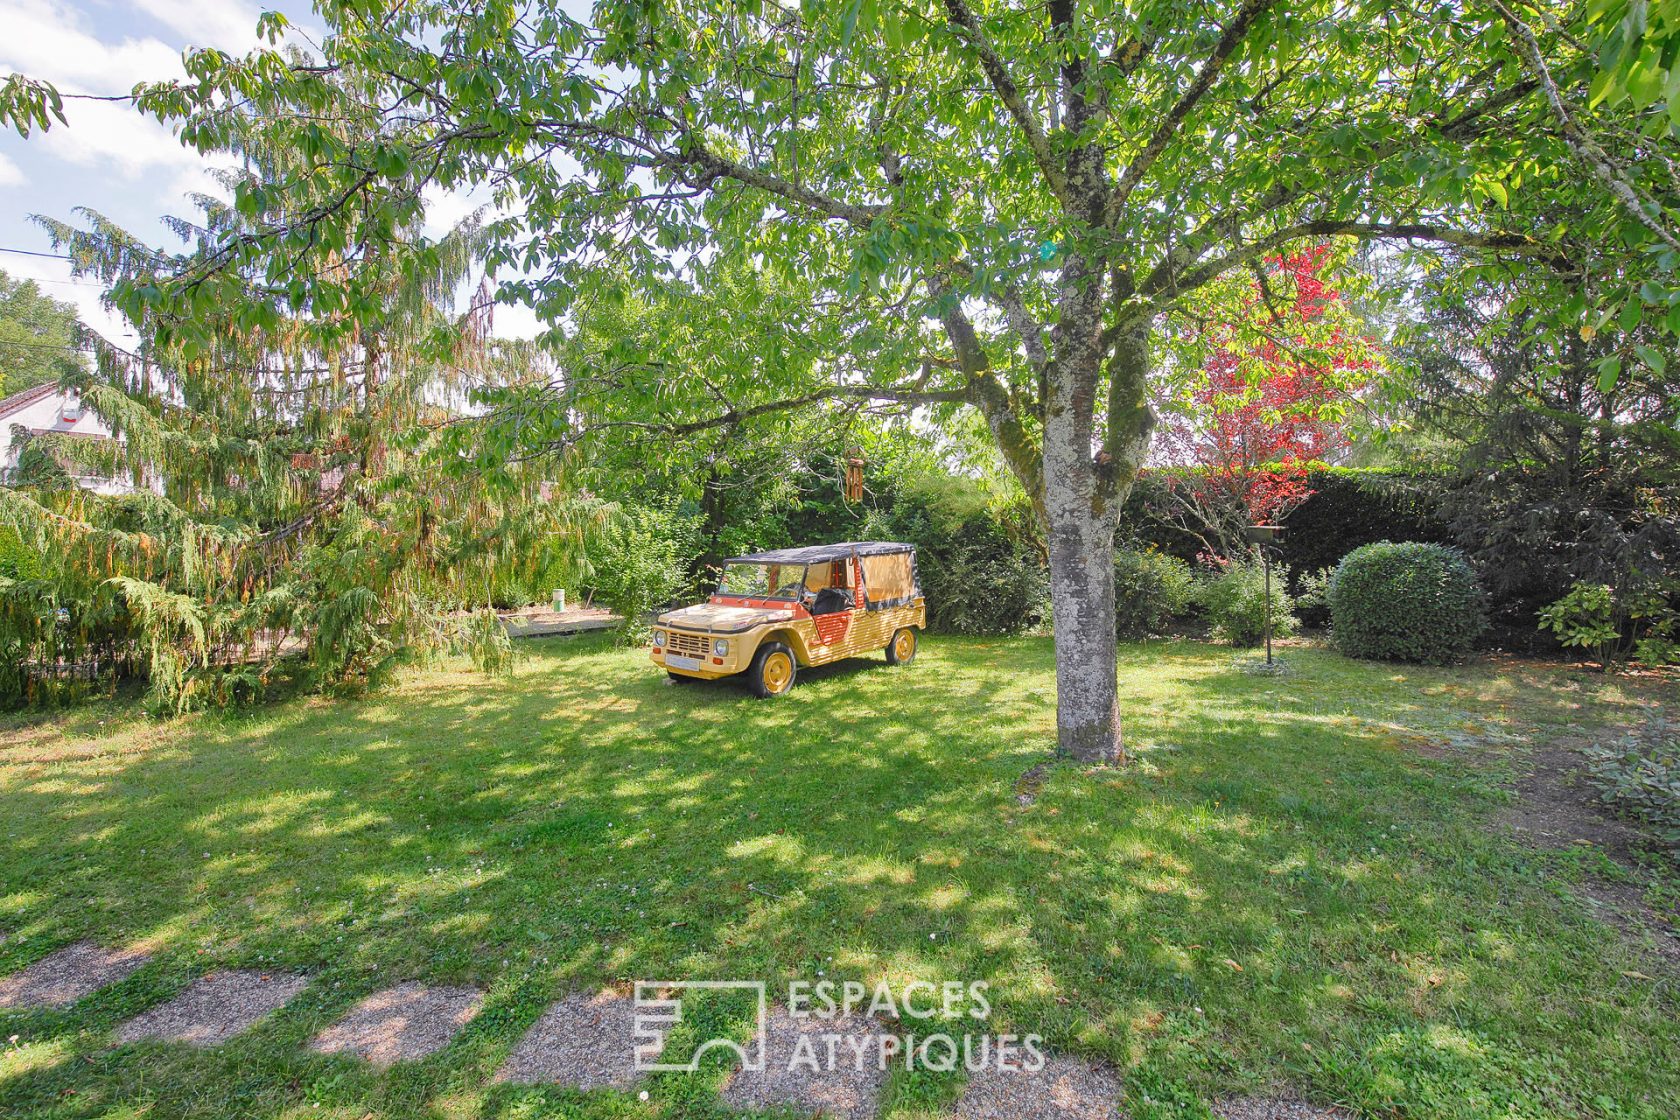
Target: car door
[{"x": 834, "y": 626}]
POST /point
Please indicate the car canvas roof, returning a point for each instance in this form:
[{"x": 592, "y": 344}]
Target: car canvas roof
[{"x": 817, "y": 553}]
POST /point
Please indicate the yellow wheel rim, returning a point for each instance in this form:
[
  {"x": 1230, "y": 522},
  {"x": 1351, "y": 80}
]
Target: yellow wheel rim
[
  {"x": 778, "y": 672},
  {"x": 904, "y": 645}
]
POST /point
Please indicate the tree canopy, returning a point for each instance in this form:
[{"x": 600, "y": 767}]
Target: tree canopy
[
  {"x": 38, "y": 337},
  {"x": 1000, "y": 205}
]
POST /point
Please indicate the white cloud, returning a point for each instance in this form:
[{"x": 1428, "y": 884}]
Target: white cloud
[
  {"x": 515, "y": 321},
  {"x": 103, "y": 133},
  {"x": 447, "y": 209},
  {"x": 47, "y": 40},
  {"x": 229, "y": 25},
  {"x": 10, "y": 174}
]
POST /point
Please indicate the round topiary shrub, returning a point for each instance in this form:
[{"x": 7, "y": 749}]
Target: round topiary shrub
[{"x": 1405, "y": 602}]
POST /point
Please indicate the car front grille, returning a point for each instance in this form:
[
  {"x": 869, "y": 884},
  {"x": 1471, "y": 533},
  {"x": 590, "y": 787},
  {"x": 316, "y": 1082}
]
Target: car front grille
[{"x": 687, "y": 645}]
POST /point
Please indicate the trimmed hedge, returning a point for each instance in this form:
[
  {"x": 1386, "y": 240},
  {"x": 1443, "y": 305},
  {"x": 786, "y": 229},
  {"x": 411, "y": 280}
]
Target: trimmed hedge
[
  {"x": 1413, "y": 601},
  {"x": 1354, "y": 506}
]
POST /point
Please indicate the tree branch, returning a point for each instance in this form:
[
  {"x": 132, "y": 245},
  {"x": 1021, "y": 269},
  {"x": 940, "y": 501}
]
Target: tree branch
[
  {"x": 1228, "y": 42},
  {"x": 1010, "y": 94},
  {"x": 1444, "y": 235},
  {"x": 1588, "y": 150},
  {"x": 1167, "y": 275},
  {"x": 713, "y": 166},
  {"x": 986, "y": 393}
]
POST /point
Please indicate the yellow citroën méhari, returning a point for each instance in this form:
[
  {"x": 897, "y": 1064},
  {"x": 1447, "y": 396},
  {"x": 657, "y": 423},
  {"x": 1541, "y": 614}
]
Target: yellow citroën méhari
[{"x": 774, "y": 612}]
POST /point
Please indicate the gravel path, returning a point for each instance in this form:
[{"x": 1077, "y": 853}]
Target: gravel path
[
  {"x": 1065, "y": 1089},
  {"x": 584, "y": 1041},
  {"x": 215, "y": 1008},
  {"x": 847, "y": 1087},
  {"x": 69, "y": 974},
  {"x": 400, "y": 1024}
]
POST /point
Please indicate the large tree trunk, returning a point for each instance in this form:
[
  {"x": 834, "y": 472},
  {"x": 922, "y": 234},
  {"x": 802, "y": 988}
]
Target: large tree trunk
[
  {"x": 1080, "y": 523},
  {"x": 1082, "y": 596}
]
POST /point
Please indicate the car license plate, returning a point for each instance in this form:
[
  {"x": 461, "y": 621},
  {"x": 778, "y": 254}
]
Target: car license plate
[{"x": 672, "y": 661}]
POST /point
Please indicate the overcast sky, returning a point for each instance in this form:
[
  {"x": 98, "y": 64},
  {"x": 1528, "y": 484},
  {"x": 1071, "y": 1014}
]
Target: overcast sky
[{"x": 110, "y": 158}]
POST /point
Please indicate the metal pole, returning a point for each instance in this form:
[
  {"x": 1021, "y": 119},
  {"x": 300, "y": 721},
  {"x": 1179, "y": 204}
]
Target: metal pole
[{"x": 1266, "y": 562}]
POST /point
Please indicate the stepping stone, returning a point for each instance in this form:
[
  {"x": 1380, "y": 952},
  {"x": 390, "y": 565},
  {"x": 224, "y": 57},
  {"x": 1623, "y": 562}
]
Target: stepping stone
[
  {"x": 215, "y": 1008},
  {"x": 848, "y": 1087},
  {"x": 69, "y": 974},
  {"x": 400, "y": 1024},
  {"x": 1065, "y": 1089},
  {"x": 1274, "y": 1108},
  {"x": 584, "y": 1042}
]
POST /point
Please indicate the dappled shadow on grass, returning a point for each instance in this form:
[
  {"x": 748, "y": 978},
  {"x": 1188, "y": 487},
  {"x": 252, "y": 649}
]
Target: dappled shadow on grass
[{"x": 1278, "y": 870}]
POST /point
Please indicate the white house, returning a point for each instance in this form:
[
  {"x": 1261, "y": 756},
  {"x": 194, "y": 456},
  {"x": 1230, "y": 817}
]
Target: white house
[{"x": 48, "y": 409}]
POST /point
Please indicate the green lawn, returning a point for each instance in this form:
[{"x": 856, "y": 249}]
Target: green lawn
[{"x": 1301, "y": 884}]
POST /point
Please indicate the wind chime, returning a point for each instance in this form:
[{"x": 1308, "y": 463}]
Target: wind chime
[{"x": 854, "y": 474}]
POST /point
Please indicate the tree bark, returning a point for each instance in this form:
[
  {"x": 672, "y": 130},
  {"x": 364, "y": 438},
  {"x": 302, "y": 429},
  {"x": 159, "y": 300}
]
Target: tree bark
[
  {"x": 1080, "y": 523},
  {"x": 1082, "y": 597}
]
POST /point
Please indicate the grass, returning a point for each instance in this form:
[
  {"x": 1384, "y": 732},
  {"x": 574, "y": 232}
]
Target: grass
[{"x": 1299, "y": 886}]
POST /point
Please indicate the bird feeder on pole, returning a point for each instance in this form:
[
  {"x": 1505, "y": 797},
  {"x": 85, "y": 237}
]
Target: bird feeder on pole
[{"x": 1263, "y": 536}]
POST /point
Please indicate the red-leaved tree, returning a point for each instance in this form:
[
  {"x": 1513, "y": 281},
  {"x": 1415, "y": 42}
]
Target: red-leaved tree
[{"x": 1270, "y": 399}]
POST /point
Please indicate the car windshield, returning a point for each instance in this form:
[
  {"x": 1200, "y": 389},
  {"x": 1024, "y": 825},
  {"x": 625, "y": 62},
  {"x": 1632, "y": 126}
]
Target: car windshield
[{"x": 762, "y": 581}]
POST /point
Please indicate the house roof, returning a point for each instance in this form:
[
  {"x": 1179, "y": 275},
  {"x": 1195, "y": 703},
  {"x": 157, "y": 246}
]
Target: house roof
[
  {"x": 26, "y": 398},
  {"x": 817, "y": 553}
]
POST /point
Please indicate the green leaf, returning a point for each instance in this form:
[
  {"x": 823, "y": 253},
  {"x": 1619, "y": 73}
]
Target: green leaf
[
  {"x": 1609, "y": 371},
  {"x": 1632, "y": 312}
]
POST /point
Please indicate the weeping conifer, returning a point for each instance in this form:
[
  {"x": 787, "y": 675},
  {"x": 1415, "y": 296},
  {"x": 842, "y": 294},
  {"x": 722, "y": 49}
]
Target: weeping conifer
[{"x": 303, "y": 476}]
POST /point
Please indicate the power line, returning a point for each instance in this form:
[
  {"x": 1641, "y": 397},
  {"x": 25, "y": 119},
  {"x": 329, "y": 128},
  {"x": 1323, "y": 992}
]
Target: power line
[
  {"x": 35, "y": 253},
  {"x": 51, "y": 280},
  {"x": 46, "y": 346}
]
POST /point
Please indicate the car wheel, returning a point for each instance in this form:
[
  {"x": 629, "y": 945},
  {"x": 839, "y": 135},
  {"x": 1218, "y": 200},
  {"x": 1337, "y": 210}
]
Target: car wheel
[
  {"x": 902, "y": 649},
  {"x": 773, "y": 670}
]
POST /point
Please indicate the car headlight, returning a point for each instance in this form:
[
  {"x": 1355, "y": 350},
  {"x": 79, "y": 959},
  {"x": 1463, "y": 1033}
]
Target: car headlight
[
  {"x": 720, "y": 648},
  {"x": 659, "y": 637}
]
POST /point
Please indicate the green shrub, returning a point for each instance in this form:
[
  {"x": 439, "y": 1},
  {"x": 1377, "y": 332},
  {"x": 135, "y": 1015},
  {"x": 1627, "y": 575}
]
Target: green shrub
[
  {"x": 637, "y": 563},
  {"x": 979, "y": 580},
  {"x": 1234, "y": 598},
  {"x": 1613, "y": 622},
  {"x": 1406, "y": 602},
  {"x": 975, "y": 557},
  {"x": 1641, "y": 779},
  {"x": 1312, "y": 599},
  {"x": 1151, "y": 590}
]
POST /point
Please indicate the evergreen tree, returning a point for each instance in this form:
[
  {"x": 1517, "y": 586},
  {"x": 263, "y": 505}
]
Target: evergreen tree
[{"x": 302, "y": 472}]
